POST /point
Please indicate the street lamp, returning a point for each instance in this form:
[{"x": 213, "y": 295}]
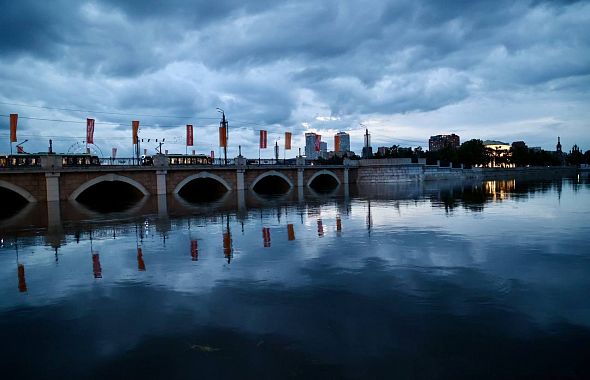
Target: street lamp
[
  {"x": 224, "y": 125},
  {"x": 19, "y": 148}
]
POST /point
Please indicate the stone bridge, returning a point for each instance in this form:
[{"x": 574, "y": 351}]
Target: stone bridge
[{"x": 51, "y": 182}]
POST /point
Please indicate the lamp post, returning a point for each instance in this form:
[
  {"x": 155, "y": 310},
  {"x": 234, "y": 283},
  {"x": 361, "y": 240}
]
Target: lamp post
[{"x": 224, "y": 125}]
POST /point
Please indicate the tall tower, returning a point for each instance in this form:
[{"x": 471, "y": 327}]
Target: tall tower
[
  {"x": 367, "y": 149},
  {"x": 558, "y": 146}
]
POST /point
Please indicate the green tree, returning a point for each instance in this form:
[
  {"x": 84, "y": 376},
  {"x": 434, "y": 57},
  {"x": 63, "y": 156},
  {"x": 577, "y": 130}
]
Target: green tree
[{"x": 473, "y": 152}]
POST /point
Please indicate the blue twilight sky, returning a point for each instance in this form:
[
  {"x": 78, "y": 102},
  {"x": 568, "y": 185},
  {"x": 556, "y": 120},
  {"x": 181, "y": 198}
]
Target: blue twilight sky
[{"x": 500, "y": 70}]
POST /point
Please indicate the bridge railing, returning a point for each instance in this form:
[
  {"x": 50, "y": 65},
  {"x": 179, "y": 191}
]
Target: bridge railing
[{"x": 123, "y": 161}]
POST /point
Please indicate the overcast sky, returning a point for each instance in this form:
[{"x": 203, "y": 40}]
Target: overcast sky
[{"x": 498, "y": 69}]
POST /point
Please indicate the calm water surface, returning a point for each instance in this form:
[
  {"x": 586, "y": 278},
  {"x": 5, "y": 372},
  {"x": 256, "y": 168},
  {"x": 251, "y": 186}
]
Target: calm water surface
[{"x": 434, "y": 281}]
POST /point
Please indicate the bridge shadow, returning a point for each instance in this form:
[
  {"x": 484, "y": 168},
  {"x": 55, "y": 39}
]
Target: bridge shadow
[
  {"x": 110, "y": 197},
  {"x": 12, "y": 203}
]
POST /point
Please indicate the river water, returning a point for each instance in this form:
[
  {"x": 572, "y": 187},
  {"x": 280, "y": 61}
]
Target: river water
[{"x": 439, "y": 280}]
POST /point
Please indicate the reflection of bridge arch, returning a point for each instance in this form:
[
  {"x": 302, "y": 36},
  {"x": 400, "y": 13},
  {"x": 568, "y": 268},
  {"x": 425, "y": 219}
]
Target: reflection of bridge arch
[
  {"x": 201, "y": 175},
  {"x": 323, "y": 172},
  {"x": 271, "y": 173},
  {"x": 19, "y": 190},
  {"x": 108, "y": 178}
]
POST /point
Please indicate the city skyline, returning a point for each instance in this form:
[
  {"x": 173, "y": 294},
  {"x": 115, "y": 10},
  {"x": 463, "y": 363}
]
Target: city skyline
[{"x": 406, "y": 71}]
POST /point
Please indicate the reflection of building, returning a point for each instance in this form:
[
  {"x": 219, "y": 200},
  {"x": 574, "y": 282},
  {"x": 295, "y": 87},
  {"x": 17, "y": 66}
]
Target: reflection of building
[
  {"x": 438, "y": 142},
  {"x": 500, "y": 190},
  {"x": 499, "y": 153},
  {"x": 310, "y": 152}
]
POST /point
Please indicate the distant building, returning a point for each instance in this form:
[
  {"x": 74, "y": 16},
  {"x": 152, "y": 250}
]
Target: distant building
[
  {"x": 438, "y": 142},
  {"x": 499, "y": 153},
  {"x": 383, "y": 151},
  {"x": 344, "y": 142},
  {"x": 519, "y": 145},
  {"x": 310, "y": 152},
  {"x": 323, "y": 149},
  {"x": 367, "y": 149}
]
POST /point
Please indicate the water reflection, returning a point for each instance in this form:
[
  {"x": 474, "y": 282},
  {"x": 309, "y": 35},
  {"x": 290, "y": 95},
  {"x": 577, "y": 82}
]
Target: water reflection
[{"x": 411, "y": 280}]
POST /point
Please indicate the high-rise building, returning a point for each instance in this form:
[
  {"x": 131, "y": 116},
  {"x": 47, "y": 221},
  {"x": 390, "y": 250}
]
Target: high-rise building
[
  {"x": 367, "y": 149},
  {"x": 310, "y": 152},
  {"x": 344, "y": 142},
  {"x": 438, "y": 142},
  {"x": 323, "y": 149}
]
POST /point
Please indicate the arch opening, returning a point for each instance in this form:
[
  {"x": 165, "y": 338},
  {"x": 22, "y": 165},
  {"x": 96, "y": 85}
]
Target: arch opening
[
  {"x": 12, "y": 203},
  {"x": 201, "y": 190},
  {"x": 110, "y": 196},
  {"x": 324, "y": 183},
  {"x": 272, "y": 185}
]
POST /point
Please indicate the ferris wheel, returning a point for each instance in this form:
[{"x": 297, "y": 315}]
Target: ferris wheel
[{"x": 80, "y": 148}]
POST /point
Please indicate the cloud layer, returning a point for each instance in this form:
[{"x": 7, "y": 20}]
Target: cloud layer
[{"x": 407, "y": 70}]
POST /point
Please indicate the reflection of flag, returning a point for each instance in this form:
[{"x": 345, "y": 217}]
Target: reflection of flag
[
  {"x": 140, "y": 263},
  {"x": 13, "y": 123},
  {"x": 287, "y": 140},
  {"x": 227, "y": 246},
  {"x": 320, "y": 228},
  {"x": 266, "y": 236},
  {"x": 290, "y": 231},
  {"x": 338, "y": 224},
  {"x": 336, "y": 143},
  {"x": 114, "y": 153},
  {"x": 262, "y": 139},
  {"x": 22, "y": 283},
  {"x": 318, "y": 139},
  {"x": 135, "y": 128},
  {"x": 222, "y": 137},
  {"x": 96, "y": 269},
  {"x": 90, "y": 131},
  {"x": 189, "y": 135},
  {"x": 194, "y": 250}
]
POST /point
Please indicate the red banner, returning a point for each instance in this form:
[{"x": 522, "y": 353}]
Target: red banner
[
  {"x": 194, "y": 250},
  {"x": 318, "y": 139},
  {"x": 320, "y": 228},
  {"x": 96, "y": 268},
  {"x": 22, "y": 282},
  {"x": 287, "y": 140},
  {"x": 266, "y": 236},
  {"x": 135, "y": 127},
  {"x": 114, "y": 153},
  {"x": 13, "y": 123},
  {"x": 189, "y": 135},
  {"x": 212, "y": 154},
  {"x": 89, "y": 131},
  {"x": 262, "y": 139},
  {"x": 336, "y": 143},
  {"x": 227, "y": 249},
  {"x": 222, "y": 137},
  {"x": 140, "y": 263}
]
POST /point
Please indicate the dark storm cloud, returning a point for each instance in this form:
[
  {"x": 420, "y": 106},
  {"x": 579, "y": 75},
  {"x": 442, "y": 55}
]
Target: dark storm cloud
[{"x": 283, "y": 63}]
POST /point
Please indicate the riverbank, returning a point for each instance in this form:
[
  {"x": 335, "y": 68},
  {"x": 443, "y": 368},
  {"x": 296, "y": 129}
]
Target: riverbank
[{"x": 407, "y": 172}]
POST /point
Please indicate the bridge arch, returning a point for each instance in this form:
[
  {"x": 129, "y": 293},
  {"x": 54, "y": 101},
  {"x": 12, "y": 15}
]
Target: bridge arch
[
  {"x": 108, "y": 178},
  {"x": 271, "y": 173},
  {"x": 320, "y": 173},
  {"x": 190, "y": 178},
  {"x": 19, "y": 190}
]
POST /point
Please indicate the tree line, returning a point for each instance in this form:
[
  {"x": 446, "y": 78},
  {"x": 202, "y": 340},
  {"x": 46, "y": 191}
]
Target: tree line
[{"x": 475, "y": 153}]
